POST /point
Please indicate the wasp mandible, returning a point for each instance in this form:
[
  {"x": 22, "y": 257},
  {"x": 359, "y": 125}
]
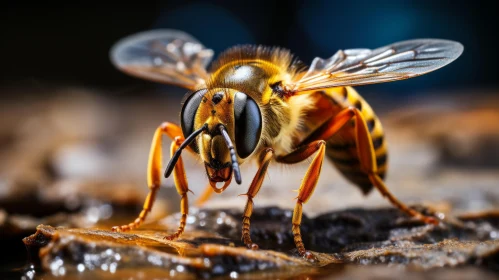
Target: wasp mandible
[{"x": 261, "y": 103}]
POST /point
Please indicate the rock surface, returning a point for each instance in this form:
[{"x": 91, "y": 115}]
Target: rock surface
[{"x": 212, "y": 247}]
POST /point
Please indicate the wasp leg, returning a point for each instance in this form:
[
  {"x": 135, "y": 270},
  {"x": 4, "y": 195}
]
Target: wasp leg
[
  {"x": 207, "y": 193},
  {"x": 182, "y": 188},
  {"x": 332, "y": 126},
  {"x": 367, "y": 159},
  {"x": 266, "y": 157},
  {"x": 154, "y": 172},
  {"x": 367, "y": 155},
  {"x": 307, "y": 186}
]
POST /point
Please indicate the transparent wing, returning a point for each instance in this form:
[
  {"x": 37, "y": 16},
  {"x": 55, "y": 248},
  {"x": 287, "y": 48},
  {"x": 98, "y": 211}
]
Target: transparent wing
[
  {"x": 164, "y": 55},
  {"x": 398, "y": 61}
]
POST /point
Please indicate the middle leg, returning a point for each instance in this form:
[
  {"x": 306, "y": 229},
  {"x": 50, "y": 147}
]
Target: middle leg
[{"x": 307, "y": 186}]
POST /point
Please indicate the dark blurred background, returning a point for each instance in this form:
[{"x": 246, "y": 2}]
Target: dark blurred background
[{"x": 45, "y": 44}]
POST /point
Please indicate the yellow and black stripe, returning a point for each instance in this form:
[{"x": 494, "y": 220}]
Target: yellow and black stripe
[{"x": 341, "y": 147}]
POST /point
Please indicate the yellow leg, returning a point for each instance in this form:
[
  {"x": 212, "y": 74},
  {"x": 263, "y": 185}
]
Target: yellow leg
[
  {"x": 266, "y": 157},
  {"x": 367, "y": 155},
  {"x": 180, "y": 180},
  {"x": 307, "y": 186},
  {"x": 367, "y": 159},
  {"x": 154, "y": 171}
]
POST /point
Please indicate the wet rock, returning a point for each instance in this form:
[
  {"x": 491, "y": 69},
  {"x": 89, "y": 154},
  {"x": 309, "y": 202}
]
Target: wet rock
[
  {"x": 448, "y": 253},
  {"x": 73, "y": 251},
  {"x": 270, "y": 226},
  {"x": 211, "y": 245},
  {"x": 339, "y": 231}
]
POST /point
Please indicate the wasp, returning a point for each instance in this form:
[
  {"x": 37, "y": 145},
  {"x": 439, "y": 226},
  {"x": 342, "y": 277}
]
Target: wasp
[{"x": 261, "y": 103}]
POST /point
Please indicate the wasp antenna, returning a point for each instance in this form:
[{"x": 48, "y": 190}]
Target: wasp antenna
[
  {"x": 235, "y": 164},
  {"x": 176, "y": 155}
]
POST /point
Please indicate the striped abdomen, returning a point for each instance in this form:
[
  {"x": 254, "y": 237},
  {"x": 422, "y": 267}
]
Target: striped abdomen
[{"x": 341, "y": 148}]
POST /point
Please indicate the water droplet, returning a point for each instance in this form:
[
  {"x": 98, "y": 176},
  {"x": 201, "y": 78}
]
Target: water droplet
[
  {"x": 206, "y": 262},
  {"x": 56, "y": 264},
  {"x": 93, "y": 214},
  {"x": 62, "y": 270},
  {"x": 191, "y": 219},
  {"x": 202, "y": 215},
  {"x": 105, "y": 211},
  {"x": 112, "y": 267},
  {"x": 157, "y": 61},
  {"x": 156, "y": 260}
]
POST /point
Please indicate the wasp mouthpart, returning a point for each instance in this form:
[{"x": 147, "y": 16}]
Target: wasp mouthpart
[{"x": 216, "y": 175}]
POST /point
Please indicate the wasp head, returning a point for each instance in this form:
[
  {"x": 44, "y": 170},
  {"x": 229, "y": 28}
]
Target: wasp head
[{"x": 212, "y": 120}]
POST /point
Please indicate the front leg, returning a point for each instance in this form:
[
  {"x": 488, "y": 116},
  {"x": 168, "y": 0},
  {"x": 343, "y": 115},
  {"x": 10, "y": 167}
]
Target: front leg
[
  {"x": 180, "y": 180},
  {"x": 307, "y": 185},
  {"x": 265, "y": 159},
  {"x": 154, "y": 171}
]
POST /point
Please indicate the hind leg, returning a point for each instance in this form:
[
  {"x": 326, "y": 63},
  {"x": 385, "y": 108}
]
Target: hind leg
[
  {"x": 367, "y": 156},
  {"x": 367, "y": 159}
]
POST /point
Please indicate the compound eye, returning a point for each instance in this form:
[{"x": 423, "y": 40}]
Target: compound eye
[
  {"x": 248, "y": 124},
  {"x": 189, "y": 109}
]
